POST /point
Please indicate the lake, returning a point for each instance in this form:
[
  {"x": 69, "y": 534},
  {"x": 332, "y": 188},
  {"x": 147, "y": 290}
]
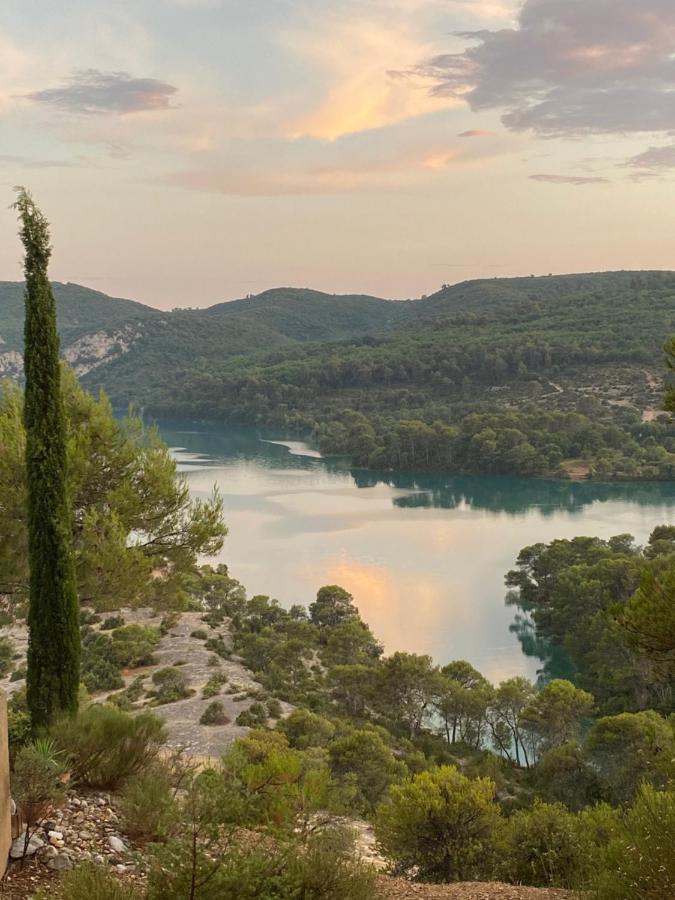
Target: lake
[{"x": 423, "y": 554}]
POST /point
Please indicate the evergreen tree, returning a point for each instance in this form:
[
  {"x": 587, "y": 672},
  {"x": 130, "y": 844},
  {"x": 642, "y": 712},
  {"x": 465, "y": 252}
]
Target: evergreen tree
[{"x": 54, "y": 639}]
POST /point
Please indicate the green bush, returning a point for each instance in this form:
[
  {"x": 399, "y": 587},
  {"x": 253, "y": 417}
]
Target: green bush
[
  {"x": 323, "y": 868},
  {"x": 640, "y": 860},
  {"x": 19, "y": 674},
  {"x": 147, "y": 804},
  {"x": 214, "y": 714},
  {"x": 169, "y": 621},
  {"x": 213, "y": 685},
  {"x": 112, "y": 622},
  {"x": 6, "y": 653},
  {"x": 543, "y": 847},
  {"x": 217, "y": 645},
  {"x": 99, "y": 670},
  {"x": 306, "y": 729},
  {"x": 107, "y": 746},
  {"x": 87, "y": 882},
  {"x": 199, "y": 634},
  {"x": 274, "y": 709},
  {"x": 89, "y": 617},
  {"x": 441, "y": 826},
  {"x": 132, "y": 645},
  {"x": 363, "y": 762},
  {"x": 171, "y": 685},
  {"x": 37, "y": 780},
  {"x": 253, "y": 717}
]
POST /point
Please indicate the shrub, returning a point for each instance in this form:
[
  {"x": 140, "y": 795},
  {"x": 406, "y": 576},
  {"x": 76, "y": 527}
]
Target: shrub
[
  {"x": 274, "y": 710},
  {"x": 38, "y": 780},
  {"x": 564, "y": 774},
  {"x": 213, "y": 685},
  {"x": 87, "y": 882},
  {"x": 19, "y": 674},
  {"x": 199, "y": 634},
  {"x": 132, "y": 645},
  {"x": 214, "y": 714},
  {"x": 89, "y": 617},
  {"x": 169, "y": 621},
  {"x": 147, "y": 804},
  {"x": 322, "y": 869},
  {"x": 112, "y": 622},
  {"x": 213, "y": 661},
  {"x": 217, "y": 645},
  {"x": 107, "y": 746},
  {"x": 99, "y": 669},
  {"x": 441, "y": 825},
  {"x": 306, "y": 729},
  {"x": 6, "y": 653},
  {"x": 253, "y": 717},
  {"x": 368, "y": 764},
  {"x": 640, "y": 862},
  {"x": 171, "y": 685},
  {"x": 543, "y": 847}
]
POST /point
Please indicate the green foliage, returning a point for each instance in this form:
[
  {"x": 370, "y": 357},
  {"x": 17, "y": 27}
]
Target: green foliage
[
  {"x": 147, "y": 804},
  {"x": 100, "y": 669},
  {"x": 440, "y": 825},
  {"x": 132, "y": 645},
  {"x": 214, "y": 714},
  {"x": 213, "y": 685},
  {"x": 253, "y": 717},
  {"x": 106, "y": 746},
  {"x": 134, "y": 515},
  {"x": 88, "y": 882},
  {"x": 199, "y": 634},
  {"x": 565, "y": 774},
  {"x": 543, "y": 847},
  {"x": 305, "y": 729},
  {"x": 217, "y": 645},
  {"x": 556, "y": 713},
  {"x": 640, "y": 863},
  {"x": 171, "y": 685},
  {"x": 37, "y": 780},
  {"x": 54, "y": 647},
  {"x": 112, "y": 622},
  {"x": 629, "y": 749},
  {"x": 333, "y": 606},
  {"x": 365, "y": 765},
  {"x": 322, "y": 868},
  {"x": 6, "y": 653},
  {"x": 649, "y": 618}
]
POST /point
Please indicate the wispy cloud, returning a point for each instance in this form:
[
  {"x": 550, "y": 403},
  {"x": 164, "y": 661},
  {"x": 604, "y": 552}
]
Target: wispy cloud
[
  {"x": 354, "y": 59},
  {"x": 654, "y": 159},
  {"x": 92, "y": 92},
  {"x": 578, "y": 180},
  {"x": 477, "y": 133}
]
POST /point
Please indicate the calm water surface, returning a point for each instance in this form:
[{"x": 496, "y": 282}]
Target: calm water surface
[{"x": 424, "y": 555}]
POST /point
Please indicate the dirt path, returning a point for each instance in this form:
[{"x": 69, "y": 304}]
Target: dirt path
[{"x": 398, "y": 889}]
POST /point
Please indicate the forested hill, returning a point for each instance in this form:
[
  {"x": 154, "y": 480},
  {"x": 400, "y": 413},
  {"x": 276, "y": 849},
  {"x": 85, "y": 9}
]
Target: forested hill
[
  {"x": 523, "y": 375},
  {"x": 530, "y": 376}
]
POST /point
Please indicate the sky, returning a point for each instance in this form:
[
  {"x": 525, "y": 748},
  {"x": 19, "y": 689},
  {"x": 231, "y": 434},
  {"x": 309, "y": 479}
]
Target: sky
[{"x": 192, "y": 151}]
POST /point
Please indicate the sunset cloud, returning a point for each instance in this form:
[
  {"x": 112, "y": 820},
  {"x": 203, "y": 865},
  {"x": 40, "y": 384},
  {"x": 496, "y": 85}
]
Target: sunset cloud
[
  {"x": 92, "y": 92},
  {"x": 578, "y": 180},
  {"x": 570, "y": 67},
  {"x": 356, "y": 59}
]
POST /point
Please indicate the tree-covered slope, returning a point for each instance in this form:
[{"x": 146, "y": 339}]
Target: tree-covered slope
[
  {"x": 81, "y": 312},
  {"x": 561, "y": 370}
]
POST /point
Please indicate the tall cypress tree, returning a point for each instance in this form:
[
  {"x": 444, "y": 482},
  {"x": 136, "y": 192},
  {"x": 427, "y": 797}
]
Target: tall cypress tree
[{"x": 53, "y": 621}]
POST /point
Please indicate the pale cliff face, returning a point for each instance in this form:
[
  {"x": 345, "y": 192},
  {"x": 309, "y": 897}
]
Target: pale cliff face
[{"x": 85, "y": 354}]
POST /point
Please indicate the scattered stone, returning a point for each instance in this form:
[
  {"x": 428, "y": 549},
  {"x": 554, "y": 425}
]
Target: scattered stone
[
  {"x": 60, "y": 863},
  {"x": 34, "y": 844},
  {"x": 54, "y": 837},
  {"x": 116, "y": 844}
]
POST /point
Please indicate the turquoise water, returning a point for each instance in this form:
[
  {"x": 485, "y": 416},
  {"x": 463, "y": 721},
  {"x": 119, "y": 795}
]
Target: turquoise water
[{"x": 424, "y": 555}]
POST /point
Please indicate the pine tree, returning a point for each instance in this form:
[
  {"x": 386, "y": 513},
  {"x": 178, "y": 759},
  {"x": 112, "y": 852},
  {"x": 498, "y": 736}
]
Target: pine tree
[{"x": 53, "y": 621}]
